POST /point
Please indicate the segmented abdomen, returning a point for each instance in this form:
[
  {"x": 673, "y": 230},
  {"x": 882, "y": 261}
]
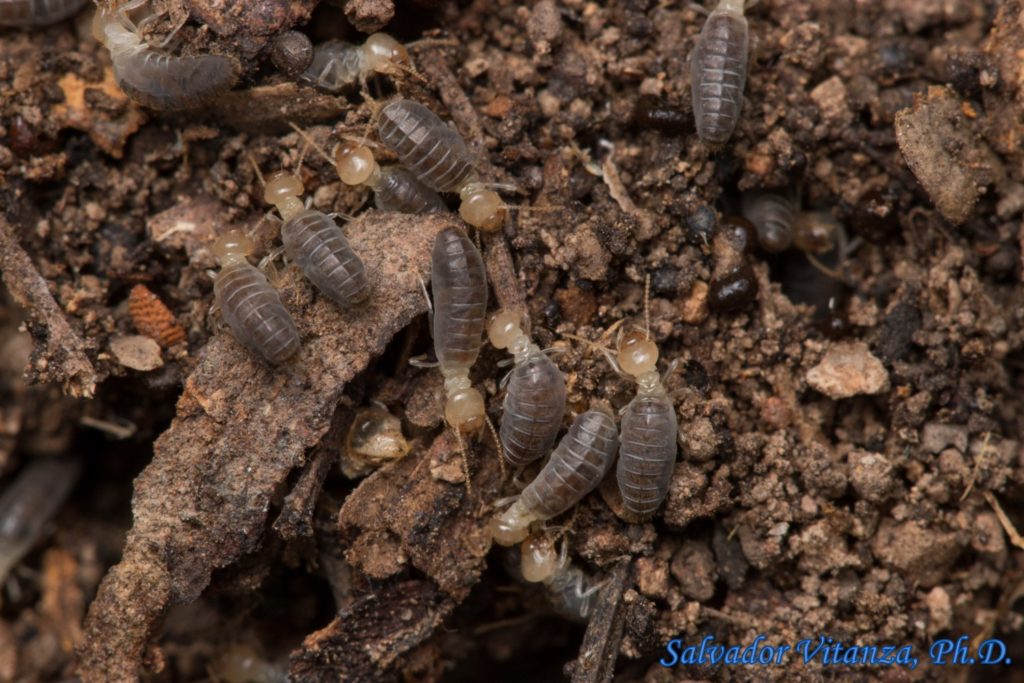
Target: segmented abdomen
[
  {"x": 459, "y": 282},
  {"x": 36, "y": 13},
  {"x": 434, "y": 152},
  {"x": 533, "y": 410},
  {"x": 317, "y": 245},
  {"x": 29, "y": 503},
  {"x": 583, "y": 457},
  {"x": 254, "y": 312},
  {"x": 401, "y": 191},
  {"x": 336, "y": 65},
  {"x": 773, "y": 215},
  {"x": 647, "y": 455},
  {"x": 718, "y": 71},
  {"x": 164, "y": 82}
]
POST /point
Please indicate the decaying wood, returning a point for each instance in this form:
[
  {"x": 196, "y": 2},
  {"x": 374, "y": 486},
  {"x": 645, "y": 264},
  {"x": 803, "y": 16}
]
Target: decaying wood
[
  {"x": 241, "y": 428},
  {"x": 55, "y": 341}
]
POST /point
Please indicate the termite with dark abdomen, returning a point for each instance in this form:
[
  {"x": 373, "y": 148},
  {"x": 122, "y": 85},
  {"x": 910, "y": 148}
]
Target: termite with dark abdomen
[
  {"x": 648, "y": 430},
  {"x": 29, "y": 503},
  {"x": 316, "y": 244},
  {"x": 37, "y": 13},
  {"x": 774, "y": 215},
  {"x": 459, "y": 283},
  {"x": 156, "y": 79},
  {"x": 718, "y": 72},
  {"x": 577, "y": 466},
  {"x": 438, "y": 156},
  {"x": 395, "y": 188},
  {"x": 535, "y": 396},
  {"x": 251, "y": 307},
  {"x": 338, "y": 65},
  {"x": 570, "y": 590}
]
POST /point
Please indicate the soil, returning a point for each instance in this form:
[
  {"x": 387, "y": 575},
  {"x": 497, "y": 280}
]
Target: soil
[{"x": 854, "y": 472}]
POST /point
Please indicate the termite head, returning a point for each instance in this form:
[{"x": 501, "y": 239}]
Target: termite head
[
  {"x": 511, "y": 526},
  {"x": 505, "y": 331},
  {"x": 355, "y": 163},
  {"x": 386, "y": 55},
  {"x": 464, "y": 409},
  {"x": 637, "y": 354},
  {"x": 482, "y": 208},
  {"x": 815, "y": 232},
  {"x": 284, "y": 190},
  {"x": 232, "y": 248},
  {"x": 539, "y": 559}
]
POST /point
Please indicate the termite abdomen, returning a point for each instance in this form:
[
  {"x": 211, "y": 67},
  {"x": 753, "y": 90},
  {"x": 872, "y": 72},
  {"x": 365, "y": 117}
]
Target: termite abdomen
[
  {"x": 399, "y": 190},
  {"x": 428, "y": 147},
  {"x": 533, "y": 409},
  {"x": 577, "y": 466},
  {"x": 248, "y": 303},
  {"x": 459, "y": 283},
  {"x": 647, "y": 455},
  {"x": 335, "y": 66},
  {"x": 316, "y": 244},
  {"x": 774, "y": 216},
  {"x": 37, "y": 13},
  {"x": 718, "y": 72},
  {"x": 164, "y": 82}
]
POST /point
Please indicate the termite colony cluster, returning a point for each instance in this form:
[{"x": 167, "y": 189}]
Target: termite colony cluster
[{"x": 433, "y": 160}]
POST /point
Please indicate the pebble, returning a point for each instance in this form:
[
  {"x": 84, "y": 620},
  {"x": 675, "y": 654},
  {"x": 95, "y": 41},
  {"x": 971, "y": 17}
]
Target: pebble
[
  {"x": 137, "y": 352},
  {"x": 849, "y": 369}
]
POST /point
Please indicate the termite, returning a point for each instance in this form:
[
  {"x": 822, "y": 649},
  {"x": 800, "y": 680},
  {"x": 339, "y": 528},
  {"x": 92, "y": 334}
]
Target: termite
[
  {"x": 37, "y": 13},
  {"x": 459, "y": 283},
  {"x": 576, "y": 467},
  {"x": 438, "y": 156},
  {"x": 374, "y": 439},
  {"x": 29, "y": 503},
  {"x": 337, "y": 65},
  {"x": 570, "y": 590},
  {"x": 718, "y": 71},
  {"x": 648, "y": 426},
  {"x": 316, "y": 244},
  {"x": 153, "y": 78},
  {"x": 249, "y": 304},
  {"x": 535, "y": 395},
  {"x": 395, "y": 188},
  {"x": 774, "y": 215},
  {"x": 648, "y": 430}
]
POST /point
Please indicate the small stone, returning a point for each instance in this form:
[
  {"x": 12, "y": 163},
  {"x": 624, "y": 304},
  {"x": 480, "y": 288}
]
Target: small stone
[
  {"x": 830, "y": 96},
  {"x": 137, "y": 352},
  {"x": 916, "y": 551},
  {"x": 936, "y": 437},
  {"x": 940, "y": 610},
  {"x": 849, "y": 369},
  {"x": 693, "y": 310},
  {"x": 872, "y": 476},
  {"x": 693, "y": 566}
]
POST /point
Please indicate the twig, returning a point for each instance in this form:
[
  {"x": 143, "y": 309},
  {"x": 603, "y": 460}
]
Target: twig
[{"x": 63, "y": 356}]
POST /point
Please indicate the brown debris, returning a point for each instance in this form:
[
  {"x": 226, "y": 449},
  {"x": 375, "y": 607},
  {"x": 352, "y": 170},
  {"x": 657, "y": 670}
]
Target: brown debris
[
  {"x": 848, "y": 369},
  {"x": 203, "y": 499},
  {"x": 153, "y": 319},
  {"x": 950, "y": 160}
]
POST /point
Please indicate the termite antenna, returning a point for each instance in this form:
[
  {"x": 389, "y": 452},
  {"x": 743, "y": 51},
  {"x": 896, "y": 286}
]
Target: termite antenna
[
  {"x": 309, "y": 140},
  {"x": 256, "y": 168},
  {"x": 647, "y": 305},
  {"x": 433, "y": 42},
  {"x": 465, "y": 460},
  {"x": 497, "y": 443}
]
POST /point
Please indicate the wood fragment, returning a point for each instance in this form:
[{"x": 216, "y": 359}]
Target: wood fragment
[
  {"x": 59, "y": 352},
  {"x": 600, "y": 648},
  {"x": 241, "y": 428}
]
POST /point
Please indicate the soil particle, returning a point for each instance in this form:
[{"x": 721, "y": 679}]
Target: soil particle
[
  {"x": 848, "y": 369},
  {"x": 919, "y": 553},
  {"x": 693, "y": 567}
]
